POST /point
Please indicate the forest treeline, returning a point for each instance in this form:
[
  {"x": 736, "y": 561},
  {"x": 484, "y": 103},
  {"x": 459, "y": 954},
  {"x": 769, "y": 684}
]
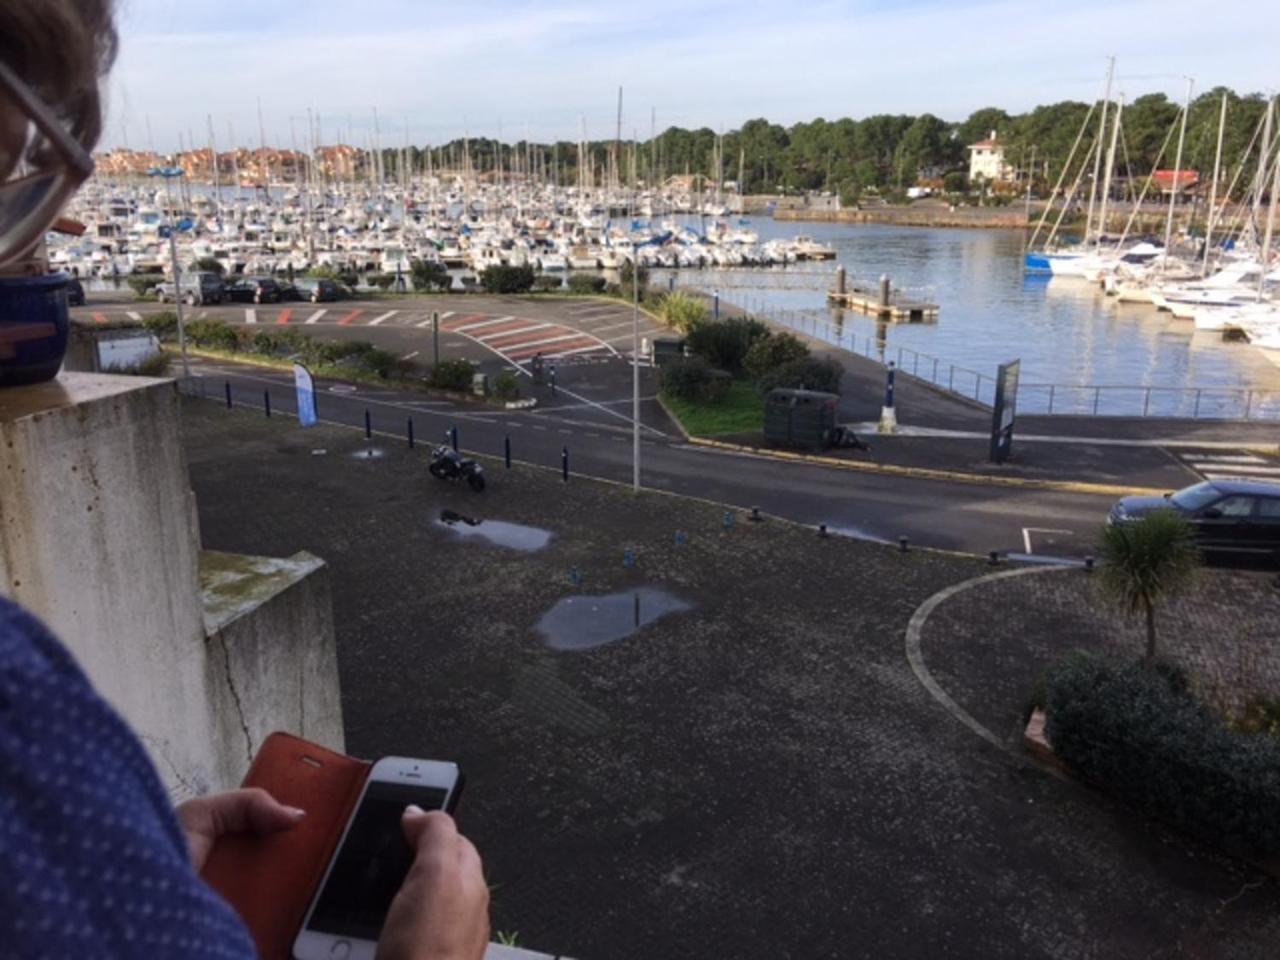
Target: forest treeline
[{"x": 881, "y": 152}]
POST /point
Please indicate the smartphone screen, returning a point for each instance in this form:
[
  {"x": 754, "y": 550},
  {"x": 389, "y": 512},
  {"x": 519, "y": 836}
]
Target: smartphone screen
[{"x": 373, "y": 862}]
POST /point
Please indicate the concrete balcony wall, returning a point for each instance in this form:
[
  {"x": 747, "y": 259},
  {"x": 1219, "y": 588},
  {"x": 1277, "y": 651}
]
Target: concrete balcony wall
[{"x": 99, "y": 538}]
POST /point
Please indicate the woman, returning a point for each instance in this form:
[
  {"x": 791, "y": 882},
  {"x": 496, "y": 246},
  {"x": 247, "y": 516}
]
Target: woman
[{"x": 93, "y": 861}]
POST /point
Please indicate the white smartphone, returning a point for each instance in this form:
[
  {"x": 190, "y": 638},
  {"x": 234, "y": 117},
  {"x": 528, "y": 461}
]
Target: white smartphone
[{"x": 372, "y": 859}]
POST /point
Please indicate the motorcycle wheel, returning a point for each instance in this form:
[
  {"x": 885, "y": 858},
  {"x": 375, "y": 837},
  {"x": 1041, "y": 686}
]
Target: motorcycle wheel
[
  {"x": 437, "y": 471},
  {"x": 476, "y": 481}
]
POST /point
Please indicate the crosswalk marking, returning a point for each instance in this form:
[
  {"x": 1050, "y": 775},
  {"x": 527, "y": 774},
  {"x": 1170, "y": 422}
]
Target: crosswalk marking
[
  {"x": 539, "y": 343},
  {"x": 315, "y": 317},
  {"x": 1213, "y": 470},
  {"x": 424, "y": 323},
  {"x": 570, "y": 353},
  {"x": 467, "y": 327},
  {"x": 250, "y": 315},
  {"x": 502, "y": 335},
  {"x": 386, "y": 316},
  {"x": 133, "y": 315},
  {"x": 446, "y": 315},
  {"x": 1226, "y": 458}
]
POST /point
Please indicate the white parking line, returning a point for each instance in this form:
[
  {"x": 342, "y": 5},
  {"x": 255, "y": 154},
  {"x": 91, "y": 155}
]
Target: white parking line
[
  {"x": 250, "y": 315},
  {"x": 1222, "y": 470},
  {"x": 376, "y": 321},
  {"x": 407, "y": 356},
  {"x": 512, "y": 333},
  {"x": 1207, "y": 458},
  {"x": 133, "y": 315},
  {"x": 482, "y": 323},
  {"x": 570, "y": 353},
  {"x": 315, "y": 317},
  {"x": 612, "y": 326}
]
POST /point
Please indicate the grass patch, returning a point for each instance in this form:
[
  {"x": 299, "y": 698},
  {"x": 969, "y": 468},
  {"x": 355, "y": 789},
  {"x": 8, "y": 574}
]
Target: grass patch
[{"x": 740, "y": 410}]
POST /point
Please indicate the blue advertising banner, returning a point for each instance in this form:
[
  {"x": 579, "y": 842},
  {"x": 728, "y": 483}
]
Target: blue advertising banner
[{"x": 306, "y": 395}]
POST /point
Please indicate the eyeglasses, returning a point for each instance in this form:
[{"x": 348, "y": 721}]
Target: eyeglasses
[{"x": 52, "y": 166}]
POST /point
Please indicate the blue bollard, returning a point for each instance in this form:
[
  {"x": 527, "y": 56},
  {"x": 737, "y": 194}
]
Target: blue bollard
[
  {"x": 409, "y": 424},
  {"x": 506, "y": 450},
  {"x": 227, "y": 385},
  {"x": 629, "y": 557},
  {"x": 681, "y": 539},
  {"x": 575, "y": 577},
  {"x": 266, "y": 402},
  {"x": 728, "y": 520},
  {"x": 564, "y": 463},
  {"x": 716, "y": 304},
  {"x": 368, "y": 426},
  {"x": 552, "y": 375}
]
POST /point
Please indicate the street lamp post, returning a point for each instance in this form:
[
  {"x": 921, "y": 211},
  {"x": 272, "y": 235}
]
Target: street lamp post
[{"x": 167, "y": 174}]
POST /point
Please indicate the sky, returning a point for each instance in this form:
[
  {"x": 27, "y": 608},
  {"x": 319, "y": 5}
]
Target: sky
[{"x": 551, "y": 68}]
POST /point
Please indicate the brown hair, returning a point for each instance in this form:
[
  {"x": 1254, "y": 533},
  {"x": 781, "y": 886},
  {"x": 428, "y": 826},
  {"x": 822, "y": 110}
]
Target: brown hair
[{"x": 62, "y": 48}]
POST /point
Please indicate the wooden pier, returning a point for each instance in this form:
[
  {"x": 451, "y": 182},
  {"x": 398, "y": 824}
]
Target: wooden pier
[{"x": 883, "y": 302}]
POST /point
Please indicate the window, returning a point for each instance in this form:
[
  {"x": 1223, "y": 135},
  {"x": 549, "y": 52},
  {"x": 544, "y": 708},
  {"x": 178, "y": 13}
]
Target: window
[
  {"x": 1269, "y": 509},
  {"x": 1235, "y": 507}
]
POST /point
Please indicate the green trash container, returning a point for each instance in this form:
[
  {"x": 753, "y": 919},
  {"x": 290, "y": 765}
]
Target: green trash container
[{"x": 800, "y": 418}]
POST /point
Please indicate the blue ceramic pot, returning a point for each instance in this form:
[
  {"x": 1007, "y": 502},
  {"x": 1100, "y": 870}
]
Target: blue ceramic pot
[{"x": 33, "y": 328}]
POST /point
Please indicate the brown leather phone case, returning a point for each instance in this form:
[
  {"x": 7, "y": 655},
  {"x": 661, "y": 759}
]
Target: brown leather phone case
[{"x": 270, "y": 881}]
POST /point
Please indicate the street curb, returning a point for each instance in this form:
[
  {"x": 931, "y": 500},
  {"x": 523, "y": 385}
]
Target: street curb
[
  {"x": 674, "y": 419},
  {"x": 928, "y": 473},
  {"x": 915, "y": 657}
]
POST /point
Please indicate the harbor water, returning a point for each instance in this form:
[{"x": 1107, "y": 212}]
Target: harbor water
[{"x": 1066, "y": 332}]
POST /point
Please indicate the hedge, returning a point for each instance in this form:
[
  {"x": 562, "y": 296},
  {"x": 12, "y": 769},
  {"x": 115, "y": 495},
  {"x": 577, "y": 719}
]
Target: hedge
[
  {"x": 499, "y": 279},
  {"x": 1137, "y": 732},
  {"x": 586, "y": 283},
  {"x": 724, "y": 343},
  {"x": 452, "y": 375},
  {"x": 770, "y": 352},
  {"x": 692, "y": 378},
  {"x": 811, "y": 373}
]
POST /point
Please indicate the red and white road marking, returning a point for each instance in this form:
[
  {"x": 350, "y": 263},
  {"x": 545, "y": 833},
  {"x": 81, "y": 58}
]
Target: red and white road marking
[
  {"x": 346, "y": 320},
  {"x": 283, "y": 319},
  {"x": 378, "y": 321},
  {"x": 315, "y": 317}
]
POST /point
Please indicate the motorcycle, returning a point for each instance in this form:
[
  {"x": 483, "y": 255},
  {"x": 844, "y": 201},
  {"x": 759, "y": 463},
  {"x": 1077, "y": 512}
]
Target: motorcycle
[{"x": 448, "y": 464}]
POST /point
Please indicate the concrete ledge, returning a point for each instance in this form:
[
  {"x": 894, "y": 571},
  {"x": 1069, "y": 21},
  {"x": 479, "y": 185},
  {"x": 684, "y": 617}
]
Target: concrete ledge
[
  {"x": 271, "y": 658},
  {"x": 926, "y": 473}
]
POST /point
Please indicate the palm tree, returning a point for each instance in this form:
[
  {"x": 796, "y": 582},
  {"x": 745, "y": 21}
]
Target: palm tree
[{"x": 1145, "y": 560}]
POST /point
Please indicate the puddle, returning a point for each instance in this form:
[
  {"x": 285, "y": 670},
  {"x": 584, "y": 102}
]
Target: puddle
[
  {"x": 584, "y": 622},
  {"x": 855, "y": 533},
  {"x": 369, "y": 453},
  {"x": 515, "y": 536}
]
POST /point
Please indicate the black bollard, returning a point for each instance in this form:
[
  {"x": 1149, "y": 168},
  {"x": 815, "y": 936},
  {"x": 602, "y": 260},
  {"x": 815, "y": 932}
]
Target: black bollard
[
  {"x": 993, "y": 558},
  {"x": 506, "y": 450},
  {"x": 637, "y": 609},
  {"x": 266, "y": 402},
  {"x": 755, "y": 515},
  {"x": 822, "y": 529},
  {"x": 453, "y": 438},
  {"x": 552, "y": 374},
  {"x": 227, "y": 386},
  {"x": 409, "y": 425},
  {"x": 564, "y": 463},
  {"x": 1088, "y": 564},
  {"x": 368, "y": 426},
  {"x": 904, "y": 544}
]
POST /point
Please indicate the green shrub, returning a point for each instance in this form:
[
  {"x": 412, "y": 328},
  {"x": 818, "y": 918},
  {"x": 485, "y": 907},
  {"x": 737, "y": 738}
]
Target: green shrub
[
  {"x": 692, "y": 378},
  {"x": 211, "y": 265},
  {"x": 502, "y": 279},
  {"x": 163, "y": 324},
  {"x": 263, "y": 343},
  {"x": 1139, "y": 734},
  {"x": 809, "y": 373},
  {"x": 384, "y": 363},
  {"x": 682, "y": 311},
  {"x": 625, "y": 281},
  {"x": 144, "y": 284},
  {"x": 348, "y": 278},
  {"x": 212, "y": 333},
  {"x": 584, "y": 283},
  {"x": 452, "y": 375},
  {"x": 770, "y": 352},
  {"x": 506, "y": 386},
  {"x": 724, "y": 343},
  {"x": 383, "y": 281},
  {"x": 430, "y": 275},
  {"x": 547, "y": 281}
]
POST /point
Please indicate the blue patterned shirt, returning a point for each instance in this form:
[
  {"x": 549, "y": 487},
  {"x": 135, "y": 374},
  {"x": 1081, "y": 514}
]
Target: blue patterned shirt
[{"x": 93, "y": 862}]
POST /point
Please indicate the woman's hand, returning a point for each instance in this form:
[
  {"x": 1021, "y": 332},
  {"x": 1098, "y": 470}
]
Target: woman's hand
[{"x": 252, "y": 810}]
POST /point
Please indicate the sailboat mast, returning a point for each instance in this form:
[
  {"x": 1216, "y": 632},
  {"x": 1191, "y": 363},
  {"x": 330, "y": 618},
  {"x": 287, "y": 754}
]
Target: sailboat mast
[
  {"x": 1177, "y": 171},
  {"x": 1106, "y": 181},
  {"x": 1097, "y": 156},
  {"x": 1213, "y": 188},
  {"x": 1271, "y": 216}
]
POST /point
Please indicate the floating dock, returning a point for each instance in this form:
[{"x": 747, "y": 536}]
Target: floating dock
[{"x": 884, "y": 302}]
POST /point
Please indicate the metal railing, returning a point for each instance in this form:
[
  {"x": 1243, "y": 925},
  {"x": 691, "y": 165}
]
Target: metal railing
[{"x": 1098, "y": 400}]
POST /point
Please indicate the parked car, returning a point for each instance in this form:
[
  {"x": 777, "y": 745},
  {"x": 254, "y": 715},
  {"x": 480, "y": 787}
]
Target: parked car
[
  {"x": 317, "y": 290},
  {"x": 254, "y": 290},
  {"x": 1231, "y": 518},
  {"x": 195, "y": 289},
  {"x": 75, "y": 292}
]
